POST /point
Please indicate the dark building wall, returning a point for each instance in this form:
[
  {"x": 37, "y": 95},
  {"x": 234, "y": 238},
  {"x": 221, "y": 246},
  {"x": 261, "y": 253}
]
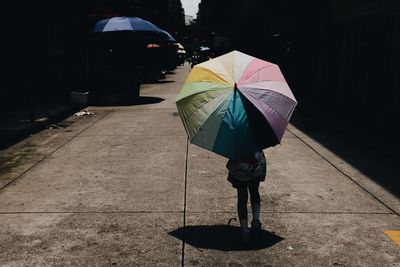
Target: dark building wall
[
  {"x": 330, "y": 51},
  {"x": 44, "y": 52},
  {"x": 344, "y": 70},
  {"x": 347, "y": 60},
  {"x": 340, "y": 57},
  {"x": 45, "y": 45}
]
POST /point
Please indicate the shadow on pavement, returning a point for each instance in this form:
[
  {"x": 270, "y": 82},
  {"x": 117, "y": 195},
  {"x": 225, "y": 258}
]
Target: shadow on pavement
[
  {"x": 364, "y": 156},
  {"x": 16, "y": 126},
  {"x": 223, "y": 237},
  {"x": 143, "y": 100},
  {"x": 159, "y": 82}
]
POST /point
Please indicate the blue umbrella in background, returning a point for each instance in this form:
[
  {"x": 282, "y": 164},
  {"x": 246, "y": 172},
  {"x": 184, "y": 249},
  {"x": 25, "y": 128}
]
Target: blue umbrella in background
[
  {"x": 168, "y": 37},
  {"x": 119, "y": 56},
  {"x": 136, "y": 25},
  {"x": 125, "y": 24},
  {"x": 123, "y": 41}
]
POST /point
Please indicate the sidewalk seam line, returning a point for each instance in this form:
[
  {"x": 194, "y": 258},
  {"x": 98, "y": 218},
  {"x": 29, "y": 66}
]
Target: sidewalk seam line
[
  {"x": 301, "y": 212},
  {"x": 142, "y": 135},
  {"x": 51, "y": 153},
  {"x": 345, "y": 174},
  {"x": 193, "y": 212},
  {"x": 84, "y": 212}
]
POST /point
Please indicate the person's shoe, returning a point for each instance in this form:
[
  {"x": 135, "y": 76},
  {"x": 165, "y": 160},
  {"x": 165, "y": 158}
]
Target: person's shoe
[{"x": 256, "y": 225}]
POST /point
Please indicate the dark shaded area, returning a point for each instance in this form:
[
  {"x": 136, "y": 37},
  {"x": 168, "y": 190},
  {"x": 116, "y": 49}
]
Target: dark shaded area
[
  {"x": 47, "y": 50},
  {"x": 24, "y": 128},
  {"x": 381, "y": 167},
  {"x": 144, "y": 100},
  {"x": 116, "y": 62},
  {"x": 224, "y": 237},
  {"x": 340, "y": 59},
  {"x": 122, "y": 101},
  {"x": 158, "y": 82},
  {"x": 262, "y": 131},
  {"x": 121, "y": 60}
]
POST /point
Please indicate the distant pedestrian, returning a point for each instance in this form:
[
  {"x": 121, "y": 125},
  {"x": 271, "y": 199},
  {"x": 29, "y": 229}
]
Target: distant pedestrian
[{"x": 245, "y": 175}]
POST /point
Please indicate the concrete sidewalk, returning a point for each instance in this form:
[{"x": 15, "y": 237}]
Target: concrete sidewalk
[{"x": 123, "y": 187}]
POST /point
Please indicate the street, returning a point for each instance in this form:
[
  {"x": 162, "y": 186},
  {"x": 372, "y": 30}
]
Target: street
[{"x": 122, "y": 187}]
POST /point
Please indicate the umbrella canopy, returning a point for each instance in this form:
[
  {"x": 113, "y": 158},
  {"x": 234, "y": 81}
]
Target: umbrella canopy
[
  {"x": 168, "y": 37},
  {"x": 125, "y": 24},
  {"x": 235, "y": 104}
]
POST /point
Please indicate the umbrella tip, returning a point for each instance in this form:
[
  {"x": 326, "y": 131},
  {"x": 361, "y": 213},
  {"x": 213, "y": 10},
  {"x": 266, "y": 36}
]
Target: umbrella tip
[{"x": 235, "y": 86}]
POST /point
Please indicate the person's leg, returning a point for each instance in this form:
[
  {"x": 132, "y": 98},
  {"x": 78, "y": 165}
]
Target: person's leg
[
  {"x": 254, "y": 194},
  {"x": 242, "y": 211},
  {"x": 242, "y": 202},
  {"x": 255, "y": 203}
]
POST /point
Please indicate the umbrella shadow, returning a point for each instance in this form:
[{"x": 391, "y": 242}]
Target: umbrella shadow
[{"x": 224, "y": 237}]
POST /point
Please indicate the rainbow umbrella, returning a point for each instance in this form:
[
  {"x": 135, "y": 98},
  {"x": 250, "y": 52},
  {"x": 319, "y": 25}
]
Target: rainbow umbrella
[{"x": 235, "y": 104}]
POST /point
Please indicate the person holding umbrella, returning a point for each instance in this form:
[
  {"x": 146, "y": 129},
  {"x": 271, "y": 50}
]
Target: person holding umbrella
[
  {"x": 236, "y": 105},
  {"x": 245, "y": 175}
]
